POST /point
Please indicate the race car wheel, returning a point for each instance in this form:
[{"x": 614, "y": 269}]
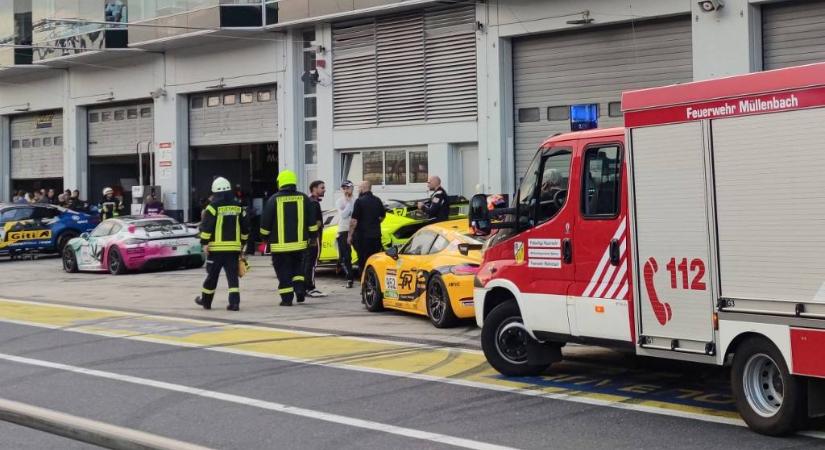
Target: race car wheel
[
  {"x": 769, "y": 398},
  {"x": 504, "y": 341},
  {"x": 64, "y": 239},
  {"x": 371, "y": 292},
  {"x": 116, "y": 265},
  {"x": 439, "y": 307},
  {"x": 69, "y": 260},
  {"x": 196, "y": 263}
]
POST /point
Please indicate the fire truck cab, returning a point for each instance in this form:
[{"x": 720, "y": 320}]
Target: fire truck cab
[{"x": 697, "y": 233}]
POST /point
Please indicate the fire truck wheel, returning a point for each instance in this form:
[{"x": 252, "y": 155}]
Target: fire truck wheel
[
  {"x": 504, "y": 341},
  {"x": 769, "y": 398},
  {"x": 371, "y": 292}
]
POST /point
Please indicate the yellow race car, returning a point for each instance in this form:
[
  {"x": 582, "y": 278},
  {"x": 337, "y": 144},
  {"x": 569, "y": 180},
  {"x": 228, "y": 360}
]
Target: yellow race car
[{"x": 431, "y": 275}]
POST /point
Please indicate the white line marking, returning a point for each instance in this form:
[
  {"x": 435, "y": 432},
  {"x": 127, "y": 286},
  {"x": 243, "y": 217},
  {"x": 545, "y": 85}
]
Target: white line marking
[{"x": 271, "y": 406}]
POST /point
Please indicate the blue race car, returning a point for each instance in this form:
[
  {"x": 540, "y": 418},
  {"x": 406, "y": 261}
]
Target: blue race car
[{"x": 40, "y": 227}]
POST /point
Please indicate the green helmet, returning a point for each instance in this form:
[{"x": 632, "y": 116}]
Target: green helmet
[
  {"x": 221, "y": 184},
  {"x": 287, "y": 177}
]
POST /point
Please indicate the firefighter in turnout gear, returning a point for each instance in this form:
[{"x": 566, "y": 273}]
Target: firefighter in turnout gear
[
  {"x": 288, "y": 223},
  {"x": 223, "y": 232},
  {"x": 111, "y": 206}
]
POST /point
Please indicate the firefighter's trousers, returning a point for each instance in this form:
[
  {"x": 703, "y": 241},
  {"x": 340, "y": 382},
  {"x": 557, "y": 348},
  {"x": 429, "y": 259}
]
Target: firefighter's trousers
[
  {"x": 289, "y": 269},
  {"x": 228, "y": 261}
]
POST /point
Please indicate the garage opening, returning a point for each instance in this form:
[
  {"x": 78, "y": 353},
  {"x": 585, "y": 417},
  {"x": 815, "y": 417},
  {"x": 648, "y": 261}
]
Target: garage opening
[{"x": 37, "y": 152}]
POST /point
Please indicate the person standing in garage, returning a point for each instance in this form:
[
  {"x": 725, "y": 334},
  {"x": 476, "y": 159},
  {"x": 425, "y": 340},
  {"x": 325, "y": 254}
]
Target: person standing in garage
[
  {"x": 111, "y": 206},
  {"x": 288, "y": 223},
  {"x": 223, "y": 232}
]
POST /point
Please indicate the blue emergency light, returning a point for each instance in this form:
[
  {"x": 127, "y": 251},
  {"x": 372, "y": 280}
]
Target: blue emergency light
[{"x": 584, "y": 117}]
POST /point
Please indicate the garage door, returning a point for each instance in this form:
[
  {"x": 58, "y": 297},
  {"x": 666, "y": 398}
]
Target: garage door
[
  {"x": 241, "y": 116},
  {"x": 117, "y": 130},
  {"x": 37, "y": 146},
  {"x": 793, "y": 33},
  {"x": 552, "y": 72}
]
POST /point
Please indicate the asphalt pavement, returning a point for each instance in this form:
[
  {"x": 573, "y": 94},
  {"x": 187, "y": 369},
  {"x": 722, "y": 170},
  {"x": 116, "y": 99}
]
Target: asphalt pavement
[{"x": 128, "y": 352}]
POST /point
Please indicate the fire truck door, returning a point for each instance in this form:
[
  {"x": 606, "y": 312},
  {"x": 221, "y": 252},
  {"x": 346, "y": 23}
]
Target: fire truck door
[
  {"x": 673, "y": 264},
  {"x": 598, "y": 305},
  {"x": 543, "y": 252}
]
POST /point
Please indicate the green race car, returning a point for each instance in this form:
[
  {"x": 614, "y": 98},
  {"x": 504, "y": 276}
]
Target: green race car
[{"x": 402, "y": 221}]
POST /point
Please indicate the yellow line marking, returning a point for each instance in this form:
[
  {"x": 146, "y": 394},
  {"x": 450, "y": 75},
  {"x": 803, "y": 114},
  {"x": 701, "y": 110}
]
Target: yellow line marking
[{"x": 454, "y": 366}]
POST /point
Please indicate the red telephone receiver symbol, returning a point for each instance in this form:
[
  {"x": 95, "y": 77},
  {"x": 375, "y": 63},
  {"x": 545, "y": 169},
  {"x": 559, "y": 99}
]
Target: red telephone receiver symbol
[{"x": 661, "y": 310}]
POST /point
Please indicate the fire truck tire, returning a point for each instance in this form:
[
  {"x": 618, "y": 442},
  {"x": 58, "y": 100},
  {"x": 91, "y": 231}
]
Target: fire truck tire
[
  {"x": 770, "y": 399},
  {"x": 504, "y": 341},
  {"x": 371, "y": 292}
]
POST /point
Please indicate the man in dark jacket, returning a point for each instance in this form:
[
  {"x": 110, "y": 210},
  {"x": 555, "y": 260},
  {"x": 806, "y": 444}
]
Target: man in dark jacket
[
  {"x": 438, "y": 206},
  {"x": 365, "y": 224},
  {"x": 111, "y": 206},
  {"x": 224, "y": 231},
  {"x": 317, "y": 189},
  {"x": 289, "y": 222}
]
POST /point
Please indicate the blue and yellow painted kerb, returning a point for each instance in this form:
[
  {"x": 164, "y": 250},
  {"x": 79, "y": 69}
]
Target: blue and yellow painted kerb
[{"x": 666, "y": 393}]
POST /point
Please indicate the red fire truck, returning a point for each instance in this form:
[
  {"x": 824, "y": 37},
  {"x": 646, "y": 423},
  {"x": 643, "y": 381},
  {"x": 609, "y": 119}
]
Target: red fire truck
[{"x": 695, "y": 233}]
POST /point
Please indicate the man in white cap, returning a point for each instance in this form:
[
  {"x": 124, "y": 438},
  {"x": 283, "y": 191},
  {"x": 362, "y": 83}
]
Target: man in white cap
[{"x": 111, "y": 206}]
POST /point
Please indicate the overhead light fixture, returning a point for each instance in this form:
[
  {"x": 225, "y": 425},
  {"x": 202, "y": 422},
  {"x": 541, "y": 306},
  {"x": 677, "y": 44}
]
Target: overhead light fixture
[
  {"x": 220, "y": 84},
  {"x": 585, "y": 19},
  {"x": 158, "y": 93},
  {"x": 711, "y": 5}
]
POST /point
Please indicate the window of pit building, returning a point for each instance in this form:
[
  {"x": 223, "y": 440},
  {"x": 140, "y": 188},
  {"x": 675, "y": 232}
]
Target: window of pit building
[
  {"x": 528, "y": 115},
  {"x": 271, "y": 11},
  {"x": 47, "y": 142},
  {"x": 58, "y": 141},
  {"x": 27, "y": 143},
  {"x": 614, "y": 109},
  {"x": 396, "y": 167},
  {"x": 36, "y": 143},
  {"x": 197, "y": 102},
  {"x": 213, "y": 100},
  {"x": 145, "y": 113},
  {"x": 264, "y": 96},
  {"x": 601, "y": 185},
  {"x": 94, "y": 117},
  {"x": 15, "y": 143},
  {"x": 120, "y": 114},
  {"x": 106, "y": 116},
  {"x": 230, "y": 99},
  {"x": 132, "y": 113},
  {"x": 247, "y": 97},
  {"x": 558, "y": 113}
]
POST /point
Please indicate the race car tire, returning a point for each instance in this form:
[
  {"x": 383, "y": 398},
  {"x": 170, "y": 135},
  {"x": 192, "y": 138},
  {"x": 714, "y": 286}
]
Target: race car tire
[
  {"x": 115, "y": 262},
  {"x": 69, "y": 260},
  {"x": 770, "y": 399},
  {"x": 196, "y": 264},
  {"x": 371, "y": 292},
  {"x": 64, "y": 239},
  {"x": 439, "y": 306},
  {"x": 504, "y": 342}
]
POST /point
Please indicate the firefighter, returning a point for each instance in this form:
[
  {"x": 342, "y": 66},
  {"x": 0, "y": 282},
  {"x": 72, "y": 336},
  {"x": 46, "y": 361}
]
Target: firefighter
[
  {"x": 288, "y": 223},
  {"x": 111, "y": 206},
  {"x": 224, "y": 231}
]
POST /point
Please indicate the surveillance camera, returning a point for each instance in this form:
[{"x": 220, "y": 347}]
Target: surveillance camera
[
  {"x": 711, "y": 5},
  {"x": 158, "y": 93}
]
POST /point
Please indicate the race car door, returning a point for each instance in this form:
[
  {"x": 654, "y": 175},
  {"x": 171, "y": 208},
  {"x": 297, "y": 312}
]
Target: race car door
[
  {"x": 91, "y": 250},
  {"x": 405, "y": 282}
]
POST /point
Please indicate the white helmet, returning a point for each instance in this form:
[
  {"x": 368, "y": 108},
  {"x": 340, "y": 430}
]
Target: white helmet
[
  {"x": 107, "y": 191},
  {"x": 221, "y": 184}
]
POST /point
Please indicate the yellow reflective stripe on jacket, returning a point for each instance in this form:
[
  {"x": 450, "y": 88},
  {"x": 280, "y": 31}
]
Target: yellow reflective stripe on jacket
[
  {"x": 205, "y": 235},
  {"x": 244, "y": 237},
  {"x": 313, "y": 227},
  {"x": 211, "y": 210},
  {"x": 264, "y": 232},
  {"x": 276, "y": 247},
  {"x": 225, "y": 247}
]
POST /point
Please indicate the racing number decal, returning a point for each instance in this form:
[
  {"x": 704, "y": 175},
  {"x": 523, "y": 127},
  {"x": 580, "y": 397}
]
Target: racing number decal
[{"x": 661, "y": 309}]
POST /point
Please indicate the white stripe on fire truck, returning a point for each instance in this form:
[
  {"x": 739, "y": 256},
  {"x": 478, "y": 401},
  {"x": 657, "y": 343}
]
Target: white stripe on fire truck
[
  {"x": 622, "y": 295},
  {"x": 597, "y": 275},
  {"x": 612, "y": 276},
  {"x": 617, "y": 282}
]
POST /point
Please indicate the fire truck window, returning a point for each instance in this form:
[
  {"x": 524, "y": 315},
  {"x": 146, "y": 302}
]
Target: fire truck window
[
  {"x": 553, "y": 185},
  {"x": 601, "y": 182}
]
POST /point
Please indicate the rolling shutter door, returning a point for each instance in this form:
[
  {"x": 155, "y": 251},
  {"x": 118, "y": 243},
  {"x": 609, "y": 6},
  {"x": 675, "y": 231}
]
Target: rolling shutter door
[
  {"x": 793, "y": 33},
  {"x": 592, "y": 66},
  {"x": 239, "y": 116},
  {"x": 409, "y": 67},
  {"x": 37, "y": 146},
  {"x": 117, "y": 130}
]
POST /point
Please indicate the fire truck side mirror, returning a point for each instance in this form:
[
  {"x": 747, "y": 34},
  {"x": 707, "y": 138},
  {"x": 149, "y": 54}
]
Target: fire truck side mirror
[{"x": 480, "y": 215}]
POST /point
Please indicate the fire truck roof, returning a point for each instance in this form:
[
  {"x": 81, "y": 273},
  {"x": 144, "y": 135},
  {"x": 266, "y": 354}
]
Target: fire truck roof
[
  {"x": 587, "y": 134},
  {"x": 730, "y": 87}
]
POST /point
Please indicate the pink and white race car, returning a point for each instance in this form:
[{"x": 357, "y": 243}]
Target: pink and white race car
[{"x": 129, "y": 243}]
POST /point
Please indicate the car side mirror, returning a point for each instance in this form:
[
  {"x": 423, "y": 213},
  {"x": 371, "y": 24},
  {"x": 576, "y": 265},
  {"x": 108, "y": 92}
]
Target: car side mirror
[
  {"x": 480, "y": 215},
  {"x": 392, "y": 252},
  {"x": 84, "y": 236}
]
